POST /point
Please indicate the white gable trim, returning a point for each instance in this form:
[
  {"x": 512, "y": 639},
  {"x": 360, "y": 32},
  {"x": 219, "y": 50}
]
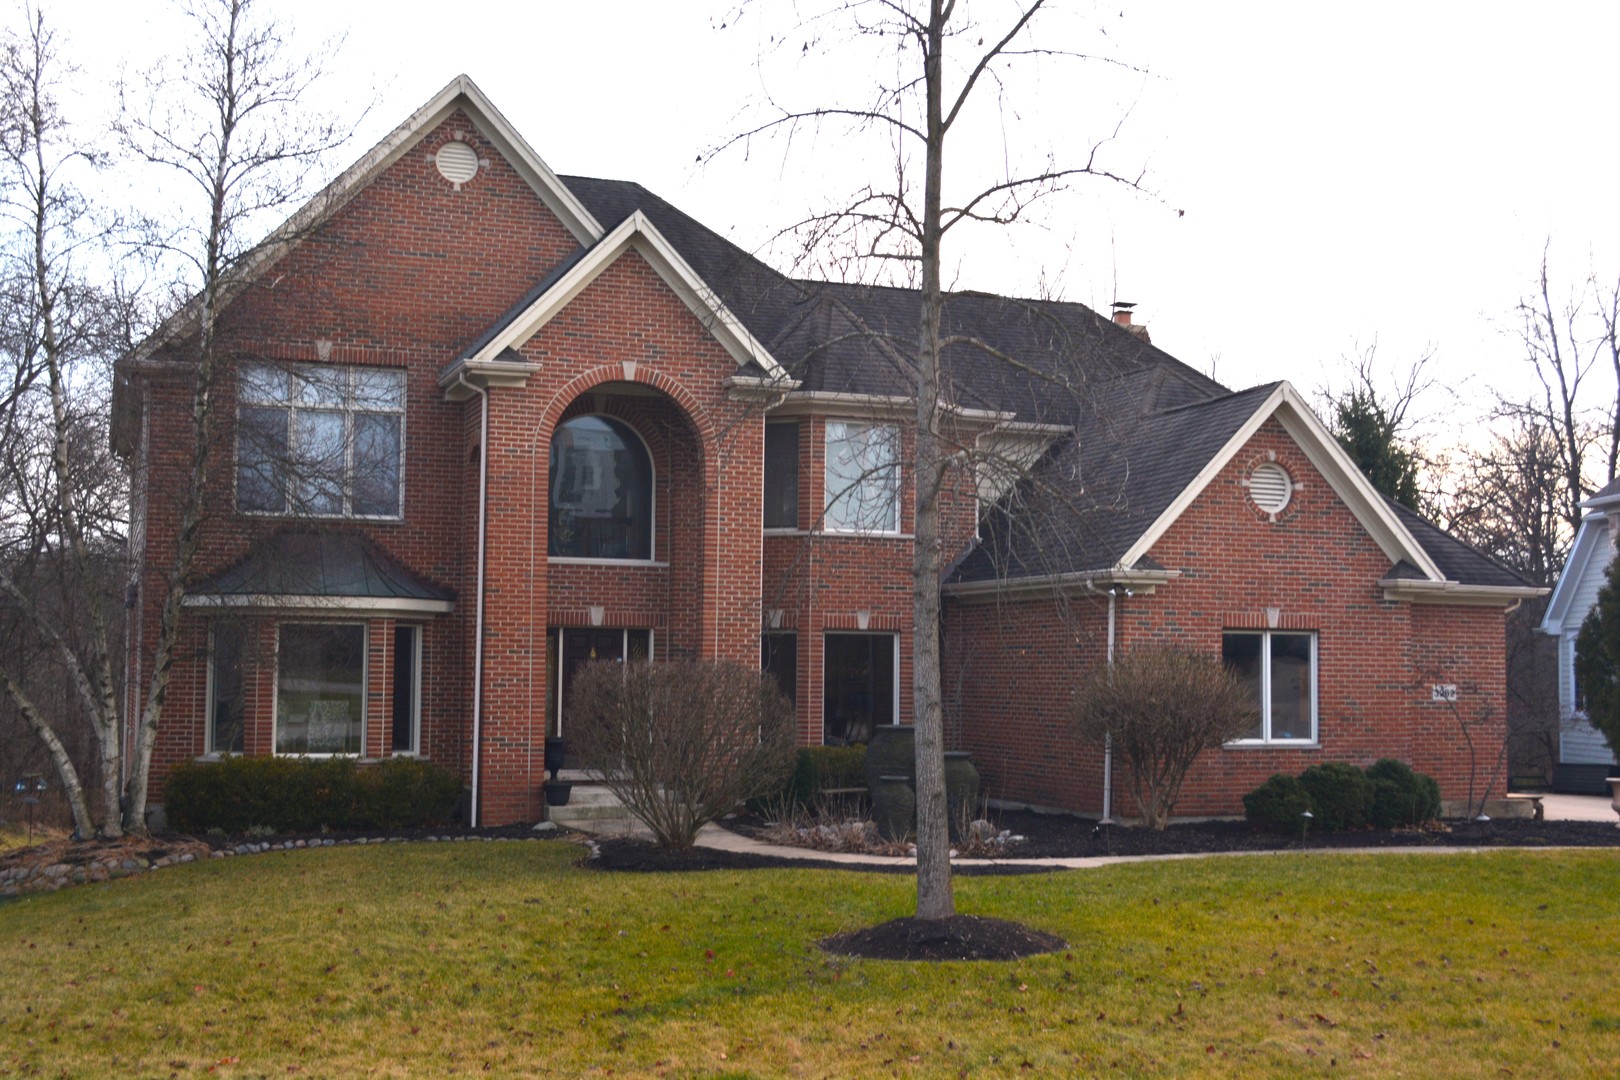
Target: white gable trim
[
  {"x": 460, "y": 93},
  {"x": 636, "y": 233},
  {"x": 1329, "y": 458},
  {"x": 1591, "y": 543}
]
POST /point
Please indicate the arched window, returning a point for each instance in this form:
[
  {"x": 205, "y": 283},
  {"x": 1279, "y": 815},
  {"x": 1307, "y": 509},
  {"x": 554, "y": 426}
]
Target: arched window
[{"x": 601, "y": 491}]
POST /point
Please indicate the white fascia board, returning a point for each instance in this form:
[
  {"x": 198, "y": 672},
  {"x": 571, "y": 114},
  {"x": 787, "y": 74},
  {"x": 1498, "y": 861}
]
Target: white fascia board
[
  {"x": 839, "y": 403},
  {"x": 1589, "y": 539},
  {"x": 1329, "y": 458},
  {"x": 457, "y": 380},
  {"x": 637, "y": 233},
  {"x": 338, "y": 605},
  {"x": 1144, "y": 581},
  {"x": 1450, "y": 592},
  {"x": 460, "y": 93}
]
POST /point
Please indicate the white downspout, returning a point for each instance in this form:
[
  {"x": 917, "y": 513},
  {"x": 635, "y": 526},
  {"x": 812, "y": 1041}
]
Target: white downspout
[
  {"x": 1108, "y": 743},
  {"x": 478, "y": 618}
]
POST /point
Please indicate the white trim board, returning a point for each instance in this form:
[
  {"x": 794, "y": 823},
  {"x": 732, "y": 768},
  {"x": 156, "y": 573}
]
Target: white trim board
[
  {"x": 459, "y": 93},
  {"x": 637, "y": 233},
  {"x": 1324, "y": 452}
]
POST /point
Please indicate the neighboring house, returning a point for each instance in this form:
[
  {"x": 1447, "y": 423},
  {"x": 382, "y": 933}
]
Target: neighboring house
[
  {"x": 1584, "y": 756},
  {"x": 489, "y": 423}
]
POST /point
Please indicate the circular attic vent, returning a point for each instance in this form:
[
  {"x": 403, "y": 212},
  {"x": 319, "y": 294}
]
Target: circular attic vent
[
  {"x": 1270, "y": 487},
  {"x": 457, "y": 162}
]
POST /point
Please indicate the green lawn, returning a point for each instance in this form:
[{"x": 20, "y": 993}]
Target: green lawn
[{"x": 501, "y": 959}]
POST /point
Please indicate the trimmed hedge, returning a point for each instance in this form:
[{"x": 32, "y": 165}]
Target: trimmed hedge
[
  {"x": 298, "y": 795},
  {"x": 1339, "y": 794},
  {"x": 1401, "y": 796},
  {"x": 1388, "y": 795},
  {"x": 1278, "y": 804}
]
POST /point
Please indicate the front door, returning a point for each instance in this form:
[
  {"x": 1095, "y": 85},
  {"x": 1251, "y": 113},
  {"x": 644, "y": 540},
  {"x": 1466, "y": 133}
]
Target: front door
[{"x": 578, "y": 646}]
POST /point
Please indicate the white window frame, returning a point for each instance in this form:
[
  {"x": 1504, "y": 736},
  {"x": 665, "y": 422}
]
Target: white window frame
[
  {"x": 365, "y": 688},
  {"x": 652, "y": 503},
  {"x": 1265, "y": 738},
  {"x": 350, "y": 408},
  {"x": 829, "y": 496},
  {"x": 415, "y": 750}
]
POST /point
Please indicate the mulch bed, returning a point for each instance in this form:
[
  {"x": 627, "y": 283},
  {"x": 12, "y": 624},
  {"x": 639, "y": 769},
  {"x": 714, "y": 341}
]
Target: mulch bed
[{"x": 960, "y": 937}]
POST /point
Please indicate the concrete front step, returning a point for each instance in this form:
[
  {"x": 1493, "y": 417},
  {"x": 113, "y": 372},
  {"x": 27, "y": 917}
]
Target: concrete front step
[{"x": 587, "y": 802}]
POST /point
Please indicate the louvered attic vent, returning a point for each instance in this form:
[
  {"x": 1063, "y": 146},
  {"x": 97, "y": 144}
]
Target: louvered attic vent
[{"x": 1270, "y": 487}]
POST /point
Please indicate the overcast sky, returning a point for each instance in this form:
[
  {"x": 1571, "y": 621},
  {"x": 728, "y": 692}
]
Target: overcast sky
[{"x": 1319, "y": 177}]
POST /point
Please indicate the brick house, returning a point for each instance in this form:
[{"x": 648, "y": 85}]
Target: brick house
[{"x": 488, "y": 422}]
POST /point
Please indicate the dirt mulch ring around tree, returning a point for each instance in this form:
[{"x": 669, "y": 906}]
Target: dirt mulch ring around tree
[{"x": 960, "y": 937}]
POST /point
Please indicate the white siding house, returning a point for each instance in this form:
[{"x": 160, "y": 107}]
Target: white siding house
[{"x": 1574, "y": 596}]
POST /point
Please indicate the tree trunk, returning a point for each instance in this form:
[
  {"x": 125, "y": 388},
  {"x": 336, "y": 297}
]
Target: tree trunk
[
  {"x": 934, "y": 897},
  {"x": 66, "y": 774}
]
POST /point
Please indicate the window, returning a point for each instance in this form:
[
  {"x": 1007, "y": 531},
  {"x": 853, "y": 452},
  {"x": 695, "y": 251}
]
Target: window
[
  {"x": 859, "y": 680},
  {"x": 782, "y": 476},
  {"x": 601, "y": 491},
  {"x": 321, "y": 689},
  {"x": 325, "y": 441},
  {"x": 863, "y": 477},
  {"x": 225, "y": 688},
  {"x": 1280, "y": 670},
  {"x": 407, "y": 701},
  {"x": 779, "y": 658}
]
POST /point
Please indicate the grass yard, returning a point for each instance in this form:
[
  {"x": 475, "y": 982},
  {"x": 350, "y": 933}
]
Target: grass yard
[{"x": 504, "y": 958}]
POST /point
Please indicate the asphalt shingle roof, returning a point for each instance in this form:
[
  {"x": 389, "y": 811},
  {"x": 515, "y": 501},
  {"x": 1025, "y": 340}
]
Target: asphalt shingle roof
[{"x": 1143, "y": 424}]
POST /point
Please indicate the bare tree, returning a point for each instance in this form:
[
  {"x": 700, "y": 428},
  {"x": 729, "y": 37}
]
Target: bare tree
[
  {"x": 1564, "y": 335},
  {"x": 239, "y": 134},
  {"x": 900, "y": 225},
  {"x": 61, "y": 531},
  {"x": 1372, "y": 421}
]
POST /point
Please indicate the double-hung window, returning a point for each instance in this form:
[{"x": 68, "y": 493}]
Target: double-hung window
[
  {"x": 320, "y": 440},
  {"x": 1279, "y": 667},
  {"x": 863, "y": 477}
]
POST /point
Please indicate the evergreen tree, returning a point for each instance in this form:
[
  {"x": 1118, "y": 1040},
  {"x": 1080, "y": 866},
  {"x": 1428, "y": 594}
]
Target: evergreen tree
[{"x": 1368, "y": 434}]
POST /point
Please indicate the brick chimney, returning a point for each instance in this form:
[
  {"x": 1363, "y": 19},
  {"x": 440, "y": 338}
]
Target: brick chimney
[{"x": 1122, "y": 317}]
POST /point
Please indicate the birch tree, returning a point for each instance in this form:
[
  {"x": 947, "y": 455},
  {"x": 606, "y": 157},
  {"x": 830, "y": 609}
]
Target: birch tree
[
  {"x": 232, "y": 121},
  {"x": 61, "y": 530}
]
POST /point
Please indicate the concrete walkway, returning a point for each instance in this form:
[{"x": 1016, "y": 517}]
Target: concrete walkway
[
  {"x": 1578, "y": 808},
  {"x": 1568, "y": 808}
]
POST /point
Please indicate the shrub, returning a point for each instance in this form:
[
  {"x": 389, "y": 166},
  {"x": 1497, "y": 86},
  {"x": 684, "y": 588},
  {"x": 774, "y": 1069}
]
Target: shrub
[
  {"x": 291, "y": 795},
  {"x": 682, "y": 743},
  {"x": 1401, "y": 796},
  {"x": 1161, "y": 708},
  {"x": 1339, "y": 794},
  {"x": 1278, "y": 804},
  {"x": 819, "y": 768}
]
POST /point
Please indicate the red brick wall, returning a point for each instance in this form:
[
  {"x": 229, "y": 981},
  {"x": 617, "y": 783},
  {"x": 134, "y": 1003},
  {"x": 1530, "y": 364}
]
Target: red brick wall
[{"x": 1319, "y": 569}]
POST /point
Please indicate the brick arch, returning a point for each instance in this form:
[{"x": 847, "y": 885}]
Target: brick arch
[{"x": 696, "y": 414}]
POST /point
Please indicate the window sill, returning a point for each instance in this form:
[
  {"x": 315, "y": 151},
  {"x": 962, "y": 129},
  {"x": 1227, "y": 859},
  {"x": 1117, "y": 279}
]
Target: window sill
[
  {"x": 284, "y": 515},
  {"x": 575, "y": 560},
  {"x": 856, "y": 534},
  {"x": 1273, "y": 744}
]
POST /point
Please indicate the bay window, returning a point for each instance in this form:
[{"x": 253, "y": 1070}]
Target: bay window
[{"x": 321, "y": 688}]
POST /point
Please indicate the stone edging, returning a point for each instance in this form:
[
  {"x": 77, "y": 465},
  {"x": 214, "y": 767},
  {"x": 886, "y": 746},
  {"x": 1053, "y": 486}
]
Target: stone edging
[{"x": 18, "y": 880}]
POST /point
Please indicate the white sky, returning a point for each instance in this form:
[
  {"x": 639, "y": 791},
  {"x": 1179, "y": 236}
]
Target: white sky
[{"x": 1349, "y": 173}]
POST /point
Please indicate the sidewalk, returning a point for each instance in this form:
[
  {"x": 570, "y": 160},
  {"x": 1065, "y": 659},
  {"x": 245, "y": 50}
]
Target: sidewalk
[
  {"x": 721, "y": 839},
  {"x": 1578, "y": 808}
]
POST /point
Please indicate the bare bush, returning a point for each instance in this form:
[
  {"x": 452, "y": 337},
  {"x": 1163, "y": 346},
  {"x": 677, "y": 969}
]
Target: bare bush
[
  {"x": 680, "y": 744},
  {"x": 1160, "y": 708}
]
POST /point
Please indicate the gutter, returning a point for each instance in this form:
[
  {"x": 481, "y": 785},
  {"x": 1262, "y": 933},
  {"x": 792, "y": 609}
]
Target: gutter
[
  {"x": 478, "y": 618},
  {"x": 1143, "y": 581},
  {"x": 1452, "y": 592}
]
